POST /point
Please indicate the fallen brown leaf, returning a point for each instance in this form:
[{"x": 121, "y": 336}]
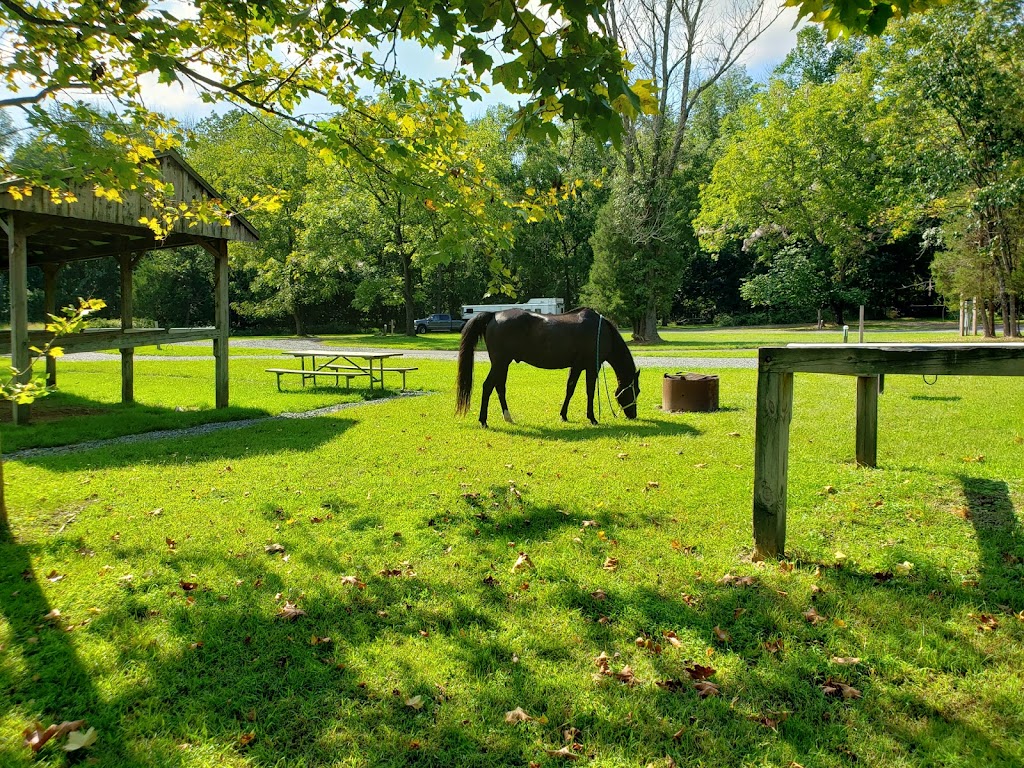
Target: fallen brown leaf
[
  {"x": 590, "y": 523},
  {"x": 602, "y": 662},
  {"x": 814, "y": 617},
  {"x": 188, "y": 586},
  {"x": 833, "y": 687},
  {"x": 626, "y": 675},
  {"x": 78, "y": 740},
  {"x": 722, "y": 635},
  {"x": 36, "y": 736},
  {"x": 246, "y": 739},
  {"x": 672, "y": 639},
  {"x": 599, "y": 594},
  {"x": 352, "y": 580},
  {"x": 774, "y": 646},
  {"x": 611, "y": 564},
  {"x": 523, "y": 561},
  {"x": 54, "y": 576},
  {"x": 517, "y": 715},
  {"x": 698, "y": 672},
  {"x": 706, "y": 689},
  {"x": 414, "y": 702},
  {"x": 289, "y": 611},
  {"x": 846, "y": 660},
  {"x": 273, "y": 549}
]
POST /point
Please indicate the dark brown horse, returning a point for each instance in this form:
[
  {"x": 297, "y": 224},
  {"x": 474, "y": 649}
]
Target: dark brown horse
[{"x": 580, "y": 340}]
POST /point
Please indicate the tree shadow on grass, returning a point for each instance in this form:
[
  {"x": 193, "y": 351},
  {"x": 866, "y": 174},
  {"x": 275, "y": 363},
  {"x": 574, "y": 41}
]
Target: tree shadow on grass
[
  {"x": 615, "y": 428},
  {"x": 48, "y": 682},
  {"x": 262, "y": 438},
  {"x": 998, "y": 530}
]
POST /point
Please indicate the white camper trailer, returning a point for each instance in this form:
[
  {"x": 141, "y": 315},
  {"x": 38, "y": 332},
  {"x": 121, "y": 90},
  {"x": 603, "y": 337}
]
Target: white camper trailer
[{"x": 540, "y": 306}]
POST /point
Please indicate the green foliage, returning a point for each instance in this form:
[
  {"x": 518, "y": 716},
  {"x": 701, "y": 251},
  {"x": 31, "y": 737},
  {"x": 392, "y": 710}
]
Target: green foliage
[
  {"x": 871, "y": 17},
  {"x": 174, "y": 288}
]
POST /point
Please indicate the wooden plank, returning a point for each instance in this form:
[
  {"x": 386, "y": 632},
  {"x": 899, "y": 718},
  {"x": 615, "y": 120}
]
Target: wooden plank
[
  {"x": 221, "y": 321},
  {"x": 127, "y": 353},
  {"x": 771, "y": 461},
  {"x": 867, "y": 421},
  {"x": 50, "y": 308},
  {"x": 17, "y": 242},
  {"x": 917, "y": 359}
]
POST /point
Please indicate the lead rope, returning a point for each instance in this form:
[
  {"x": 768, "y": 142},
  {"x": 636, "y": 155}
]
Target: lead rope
[{"x": 599, "y": 367}]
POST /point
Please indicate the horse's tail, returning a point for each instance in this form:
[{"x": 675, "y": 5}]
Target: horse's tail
[{"x": 470, "y": 336}]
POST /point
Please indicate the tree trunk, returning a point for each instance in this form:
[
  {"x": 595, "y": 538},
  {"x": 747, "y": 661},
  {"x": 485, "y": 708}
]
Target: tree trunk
[
  {"x": 988, "y": 315},
  {"x": 837, "y": 312},
  {"x": 650, "y": 324},
  {"x": 5, "y": 528},
  {"x": 407, "y": 296},
  {"x": 298, "y": 321}
]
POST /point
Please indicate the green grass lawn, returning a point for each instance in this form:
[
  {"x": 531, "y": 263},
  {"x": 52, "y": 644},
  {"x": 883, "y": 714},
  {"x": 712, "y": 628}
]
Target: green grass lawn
[{"x": 399, "y": 529}]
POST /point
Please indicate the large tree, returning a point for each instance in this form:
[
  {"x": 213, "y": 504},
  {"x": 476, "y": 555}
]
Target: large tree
[
  {"x": 952, "y": 81},
  {"x": 684, "y": 47},
  {"x": 802, "y": 184}
]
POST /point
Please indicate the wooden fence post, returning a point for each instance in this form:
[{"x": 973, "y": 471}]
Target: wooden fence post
[
  {"x": 771, "y": 462},
  {"x": 867, "y": 421}
]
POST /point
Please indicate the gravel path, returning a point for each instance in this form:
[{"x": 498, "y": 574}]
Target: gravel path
[{"x": 199, "y": 429}]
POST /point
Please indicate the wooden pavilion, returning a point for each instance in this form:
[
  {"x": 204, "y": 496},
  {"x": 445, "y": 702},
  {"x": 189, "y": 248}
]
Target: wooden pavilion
[{"x": 38, "y": 232}]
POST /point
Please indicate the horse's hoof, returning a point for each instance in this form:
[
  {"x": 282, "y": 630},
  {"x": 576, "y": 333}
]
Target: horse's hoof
[
  {"x": 594, "y": 422},
  {"x": 483, "y": 424},
  {"x": 564, "y": 418},
  {"x": 508, "y": 417}
]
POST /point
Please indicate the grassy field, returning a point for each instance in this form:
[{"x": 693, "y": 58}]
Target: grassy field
[{"x": 892, "y": 636}]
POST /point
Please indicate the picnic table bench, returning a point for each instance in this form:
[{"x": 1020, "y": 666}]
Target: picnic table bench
[{"x": 357, "y": 364}]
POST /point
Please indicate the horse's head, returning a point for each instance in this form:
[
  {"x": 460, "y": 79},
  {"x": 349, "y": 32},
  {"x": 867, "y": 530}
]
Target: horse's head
[{"x": 628, "y": 395}]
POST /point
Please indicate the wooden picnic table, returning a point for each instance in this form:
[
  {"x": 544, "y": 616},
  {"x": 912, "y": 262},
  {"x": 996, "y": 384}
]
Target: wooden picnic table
[{"x": 355, "y": 363}]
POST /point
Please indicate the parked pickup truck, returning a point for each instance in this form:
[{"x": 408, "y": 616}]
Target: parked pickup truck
[{"x": 439, "y": 323}]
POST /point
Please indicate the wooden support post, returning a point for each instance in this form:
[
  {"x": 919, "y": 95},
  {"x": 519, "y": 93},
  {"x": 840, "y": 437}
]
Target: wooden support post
[
  {"x": 771, "y": 461},
  {"x": 17, "y": 238},
  {"x": 860, "y": 338},
  {"x": 220, "y": 343},
  {"x": 50, "y": 308},
  {"x": 127, "y": 310},
  {"x": 867, "y": 421}
]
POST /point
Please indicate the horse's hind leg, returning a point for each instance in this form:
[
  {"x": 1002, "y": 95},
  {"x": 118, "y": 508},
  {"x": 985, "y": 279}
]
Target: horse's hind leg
[
  {"x": 499, "y": 383},
  {"x": 570, "y": 388},
  {"x": 485, "y": 398}
]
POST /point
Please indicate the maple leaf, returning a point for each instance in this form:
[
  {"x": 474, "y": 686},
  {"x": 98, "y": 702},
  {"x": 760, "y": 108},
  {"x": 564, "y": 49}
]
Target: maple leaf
[
  {"x": 611, "y": 564},
  {"x": 289, "y": 611},
  {"x": 523, "y": 561},
  {"x": 722, "y": 635},
  {"x": 517, "y": 715},
  {"x": 415, "y": 702},
  {"x": 698, "y": 673},
  {"x": 986, "y": 621},
  {"x": 78, "y": 740},
  {"x": 706, "y": 689},
  {"x": 774, "y": 646}
]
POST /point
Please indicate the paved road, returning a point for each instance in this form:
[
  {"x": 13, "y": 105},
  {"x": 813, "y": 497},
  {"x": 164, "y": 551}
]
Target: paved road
[{"x": 313, "y": 345}]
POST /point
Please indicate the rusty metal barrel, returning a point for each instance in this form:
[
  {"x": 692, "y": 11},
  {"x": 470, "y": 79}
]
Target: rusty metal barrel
[{"x": 689, "y": 392}]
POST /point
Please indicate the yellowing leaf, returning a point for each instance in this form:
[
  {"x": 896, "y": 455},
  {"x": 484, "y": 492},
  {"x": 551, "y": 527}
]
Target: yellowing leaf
[
  {"x": 78, "y": 740},
  {"x": 414, "y": 702}
]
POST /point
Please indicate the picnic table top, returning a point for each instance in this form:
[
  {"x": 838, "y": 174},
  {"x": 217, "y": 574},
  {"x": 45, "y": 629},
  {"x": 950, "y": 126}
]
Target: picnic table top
[{"x": 365, "y": 354}]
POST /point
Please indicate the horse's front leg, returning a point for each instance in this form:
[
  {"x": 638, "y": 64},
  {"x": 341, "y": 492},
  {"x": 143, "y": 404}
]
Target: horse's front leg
[
  {"x": 570, "y": 388},
  {"x": 499, "y": 384},
  {"x": 591, "y": 386}
]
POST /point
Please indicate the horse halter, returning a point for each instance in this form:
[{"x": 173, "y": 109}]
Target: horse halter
[{"x": 597, "y": 366}]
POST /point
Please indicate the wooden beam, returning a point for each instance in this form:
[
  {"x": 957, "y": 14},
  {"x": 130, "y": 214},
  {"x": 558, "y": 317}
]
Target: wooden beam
[
  {"x": 17, "y": 242},
  {"x": 127, "y": 353},
  {"x": 1005, "y": 359},
  {"x": 221, "y": 321},
  {"x": 771, "y": 461},
  {"x": 50, "y": 308},
  {"x": 867, "y": 421}
]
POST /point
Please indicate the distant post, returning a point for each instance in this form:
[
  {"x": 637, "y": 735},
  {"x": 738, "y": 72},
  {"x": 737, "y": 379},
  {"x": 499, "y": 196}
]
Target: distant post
[{"x": 861, "y": 339}]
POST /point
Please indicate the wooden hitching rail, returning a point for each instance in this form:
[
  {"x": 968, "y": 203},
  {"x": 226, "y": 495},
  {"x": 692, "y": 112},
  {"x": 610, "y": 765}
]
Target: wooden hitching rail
[{"x": 868, "y": 362}]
